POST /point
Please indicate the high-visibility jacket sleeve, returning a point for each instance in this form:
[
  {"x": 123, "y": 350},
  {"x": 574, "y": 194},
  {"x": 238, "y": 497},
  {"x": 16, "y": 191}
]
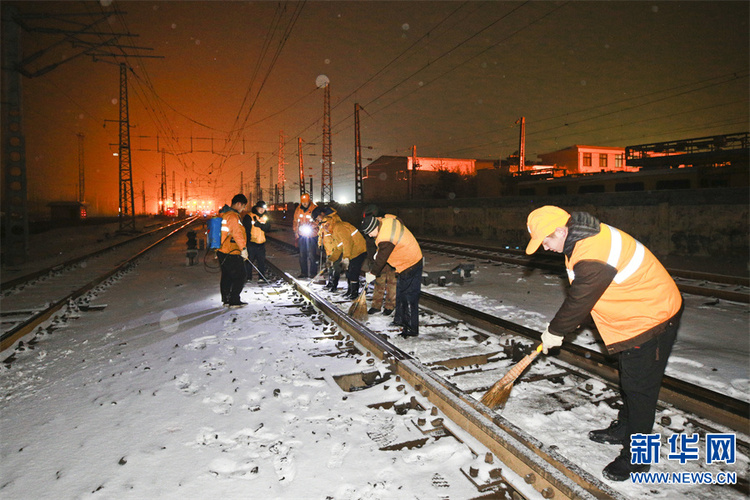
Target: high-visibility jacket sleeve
[
  {"x": 385, "y": 248},
  {"x": 591, "y": 281},
  {"x": 233, "y": 236}
]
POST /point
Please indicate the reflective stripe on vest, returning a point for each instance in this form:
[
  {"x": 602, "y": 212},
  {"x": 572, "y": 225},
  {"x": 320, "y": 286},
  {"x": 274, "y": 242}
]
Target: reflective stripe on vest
[
  {"x": 614, "y": 256},
  {"x": 396, "y": 226}
]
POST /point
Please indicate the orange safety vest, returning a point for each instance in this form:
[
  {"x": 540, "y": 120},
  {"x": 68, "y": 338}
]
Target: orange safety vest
[
  {"x": 257, "y": 235},
  {"x": 641, "y": 296},
  {"x": 302, "y": 218},
  {"x": 406, "y": 251},
  {"x": 233, "y": 237}
]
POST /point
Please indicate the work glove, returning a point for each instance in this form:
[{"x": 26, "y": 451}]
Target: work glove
[
  {"x": 244, "y": 253},
  {"x": 344, "y": 264},
  {"x": 550, "y": 341},
  {"x": 369, "y": 278},
  {"x": 329, "y": 264}
]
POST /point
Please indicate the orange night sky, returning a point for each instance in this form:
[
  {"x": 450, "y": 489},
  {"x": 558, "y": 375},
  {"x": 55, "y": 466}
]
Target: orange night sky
[{"x": 451, "y": 78}]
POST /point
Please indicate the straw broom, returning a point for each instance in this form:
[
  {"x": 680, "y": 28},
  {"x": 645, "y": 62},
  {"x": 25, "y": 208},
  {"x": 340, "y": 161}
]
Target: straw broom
[
  {"x": 358, "y": 309},
  {"x": 499, "y": 393}
]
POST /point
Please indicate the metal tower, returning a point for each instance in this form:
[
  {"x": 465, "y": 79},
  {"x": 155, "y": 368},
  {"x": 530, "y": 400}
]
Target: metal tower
[
  {"x": 258, "y": 189},
  {"x": 301, "y": 167},
  {"x": 357, "y": 157},
  {"x": 163, "y": 188},
  {"x": 81, "y": 177},
  {"x": 326, "y": 183},
  {"x": 16, "y": 220},
  {"x": 521, "y": 144},
  {"x": 280, "y": 183},
  {"x": 127, "y": 208}
]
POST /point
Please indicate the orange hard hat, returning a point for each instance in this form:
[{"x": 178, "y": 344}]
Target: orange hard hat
[{"x": 305, "y": 198}]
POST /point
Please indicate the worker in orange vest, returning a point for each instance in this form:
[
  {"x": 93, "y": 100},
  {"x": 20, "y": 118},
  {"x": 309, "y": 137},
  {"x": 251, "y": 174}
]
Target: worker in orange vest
[
  {"x": 636, "y": 307},
  {"x": 398, "y": 247},
  {"x": 233, "y": 252},
  {"x": 306, "y": 237}
]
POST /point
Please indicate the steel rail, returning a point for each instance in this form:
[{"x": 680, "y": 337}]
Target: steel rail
[
  {"x": 8, "y": 284},
  {"x": 546, "y": 262},
  {"x": 18, "y": 332},
  {"x": 545, "y": 469},
  {"x": 705, "y": 403}
]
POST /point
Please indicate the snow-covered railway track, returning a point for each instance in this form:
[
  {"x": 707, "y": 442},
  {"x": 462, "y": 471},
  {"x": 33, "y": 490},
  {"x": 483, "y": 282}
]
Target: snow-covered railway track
[
  {"x": 29, "y": 303},
  {"x": 734, "y": 288},
  {"x": 461, "y": 352}
]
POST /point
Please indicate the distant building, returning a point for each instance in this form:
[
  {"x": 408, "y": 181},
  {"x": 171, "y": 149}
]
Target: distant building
[
  {"x": 391, "y": 178},
  {"x": 579, "y": 159},
  {"x": 67, "y": 211}
]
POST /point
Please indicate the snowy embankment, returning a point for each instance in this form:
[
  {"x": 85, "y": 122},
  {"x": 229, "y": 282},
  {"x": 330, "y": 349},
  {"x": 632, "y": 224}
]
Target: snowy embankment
[{"x": 166, "y": 394}]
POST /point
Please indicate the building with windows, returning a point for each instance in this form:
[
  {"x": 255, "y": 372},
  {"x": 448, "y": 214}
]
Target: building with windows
[{"x": 580, "y": 159}]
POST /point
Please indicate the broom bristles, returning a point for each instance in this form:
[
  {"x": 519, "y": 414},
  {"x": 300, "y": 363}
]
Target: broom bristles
[
  {"x": 500, "y": 392},
  {"x": 358, "y": 309}
]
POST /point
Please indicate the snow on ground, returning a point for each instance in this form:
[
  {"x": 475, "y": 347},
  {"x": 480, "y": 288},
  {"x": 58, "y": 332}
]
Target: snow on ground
[
  {"x": 165, "y": 394},
  {"x": 712, "y": 347}
]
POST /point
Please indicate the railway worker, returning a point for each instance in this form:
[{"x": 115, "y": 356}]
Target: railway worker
[
  {"x": 384, "y": 290},
  {"x": 348, "y": 247},
  {"x": 256, "y": 226},
  {"x": 326, "y": 217},
  {"x": 306, "y": 237},
  {"x": 233, "y": 252},
  {"x": 636, "y": 307},
  {"x": 398, "y": 247}
]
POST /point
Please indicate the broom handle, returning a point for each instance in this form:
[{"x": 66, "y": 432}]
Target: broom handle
[{"x": 519, "y": 367}]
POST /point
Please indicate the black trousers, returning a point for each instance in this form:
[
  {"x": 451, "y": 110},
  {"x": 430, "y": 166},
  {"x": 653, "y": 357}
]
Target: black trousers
[
  {"x": 308, "y": 256},
  {"x": 355, "y": 268},
  {"x": 408, "y": 288},
  {"x": 256, "y": 253},
  {"x": 641, "y": 372},
  {"x": 232, "y": 277}
]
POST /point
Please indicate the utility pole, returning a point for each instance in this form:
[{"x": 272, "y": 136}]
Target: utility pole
[
  {"x": 81, "y": 178},
  {"x": 413, "y": 173},
  {"x": 271, "y": 189},
  {"x": 174, "y": 197},
  {"x": 16, "y": 220},
  {"x": 127, "y": 209},
  {"x": 281, "y": 175},
  {"x": 85, "y": 41},
  {"x": 163, "y": 190},
  {"x": 326, "y": 183},
  {"x": 143, "y": 196},
  {"x": 301, "y": 167},
  {"x": 357, "y": 157},
  {"x": 521, "y": 144},
  {"x": 258, "y": 189}
]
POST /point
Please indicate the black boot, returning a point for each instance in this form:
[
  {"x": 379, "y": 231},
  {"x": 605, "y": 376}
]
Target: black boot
[
  {"x": 616, "y": 433},
  {"x": 620, "y": 468},
  {"x": 353, "y": 290},
  {"x": 333, "y": 284}
]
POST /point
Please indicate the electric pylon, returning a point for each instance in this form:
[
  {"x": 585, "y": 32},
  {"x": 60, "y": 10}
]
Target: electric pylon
[
  {"x": 280, "y": 199},
  {"x": 301, "y": 167},
  {"x": 326, "y": 183},
  {"x": 127, "y": 208},
  {"x": 163, "y": 190},
  {"x": 81, "y": 178},
  {"x": 258, "y": 189},
  {"x": 357, "y": 157}
]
